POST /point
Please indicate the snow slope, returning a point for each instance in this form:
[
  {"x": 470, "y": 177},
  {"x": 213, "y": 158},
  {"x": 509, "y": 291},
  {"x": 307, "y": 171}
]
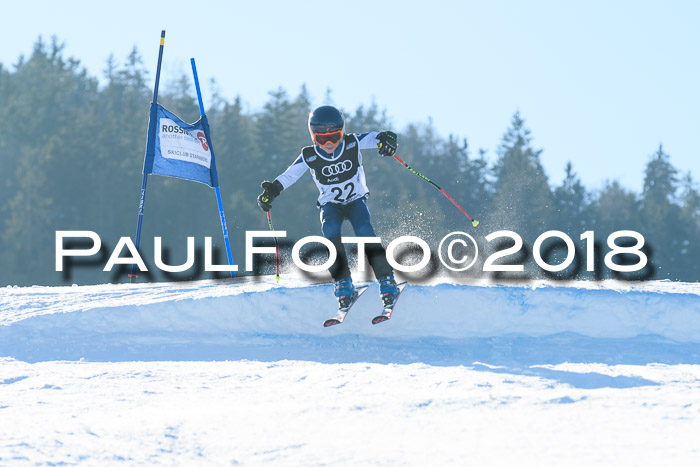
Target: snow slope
[
  {"x": 241, "y": 372},
  {"x": 438, "y": 323}
]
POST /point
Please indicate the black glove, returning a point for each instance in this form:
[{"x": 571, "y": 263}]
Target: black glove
[
  {"x": 271, "y": 191},
  {"x": 387, "y": 143}
]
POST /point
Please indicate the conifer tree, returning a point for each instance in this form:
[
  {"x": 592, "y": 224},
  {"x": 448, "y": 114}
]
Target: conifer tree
[
  {"x": 522, "y": 200},
  {"x": 659, "y": 192},
  {"x": 571, "y": 206},
  {"x": 689, "y": 247},
  {"x": 617, "y": 208},
  {"x": 660, "y": 211}
]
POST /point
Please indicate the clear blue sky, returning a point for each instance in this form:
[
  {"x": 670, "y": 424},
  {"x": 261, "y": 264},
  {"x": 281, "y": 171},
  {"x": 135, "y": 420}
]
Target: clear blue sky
[{"x": 600, "y": 83}]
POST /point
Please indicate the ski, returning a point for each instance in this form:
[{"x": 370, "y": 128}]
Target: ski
[
  {"x": 342, "y": 313},
  {"x": 386, "y": 314}
]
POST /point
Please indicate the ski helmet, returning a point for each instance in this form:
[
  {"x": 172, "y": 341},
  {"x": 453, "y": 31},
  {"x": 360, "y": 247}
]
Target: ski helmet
[{"x": 326, "y": 123}]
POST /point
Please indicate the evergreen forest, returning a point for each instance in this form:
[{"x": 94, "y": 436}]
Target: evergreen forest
[{"x": 71, "y": 158}]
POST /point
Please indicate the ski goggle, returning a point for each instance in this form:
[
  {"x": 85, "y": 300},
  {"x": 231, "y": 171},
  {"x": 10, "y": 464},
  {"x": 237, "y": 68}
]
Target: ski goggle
[{"x": 330, "y": 137}]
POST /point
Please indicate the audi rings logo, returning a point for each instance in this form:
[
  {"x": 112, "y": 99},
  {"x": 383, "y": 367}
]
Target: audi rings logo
[{"x": 336, "y": 169}]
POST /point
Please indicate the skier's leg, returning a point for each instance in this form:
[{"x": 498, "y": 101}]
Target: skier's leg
[
  {"x": 339, "y": 270},
  {"x": 332, "y": 217},
  {"x": 360, "y": 218}
]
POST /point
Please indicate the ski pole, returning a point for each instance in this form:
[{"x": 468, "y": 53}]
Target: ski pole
[
  {"x": 277, "y": 246},
  {"x": 475, "y": 223}
]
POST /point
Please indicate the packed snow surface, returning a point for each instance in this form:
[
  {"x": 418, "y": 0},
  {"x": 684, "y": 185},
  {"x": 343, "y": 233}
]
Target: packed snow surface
[{"x": 241, "y": 372}]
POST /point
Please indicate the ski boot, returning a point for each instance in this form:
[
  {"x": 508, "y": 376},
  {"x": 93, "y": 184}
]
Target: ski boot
[
  {"x": 388, "y": 290},
  {"x": 344, "y": 292}
]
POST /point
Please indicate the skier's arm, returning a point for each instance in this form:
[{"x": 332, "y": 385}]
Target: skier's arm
[
  {"x": 385, "y": 141},
  {"x": 293, "y": 172},
  {"x": 368, "y": 140},
  {"x": 272, "y": 190}
]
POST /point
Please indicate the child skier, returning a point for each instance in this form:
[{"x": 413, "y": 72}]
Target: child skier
[{"x": 335, "y": 163}]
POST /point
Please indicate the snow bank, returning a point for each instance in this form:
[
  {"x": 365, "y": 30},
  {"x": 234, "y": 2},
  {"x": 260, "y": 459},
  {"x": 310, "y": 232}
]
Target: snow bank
[{"x": 438, "y": 323}]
